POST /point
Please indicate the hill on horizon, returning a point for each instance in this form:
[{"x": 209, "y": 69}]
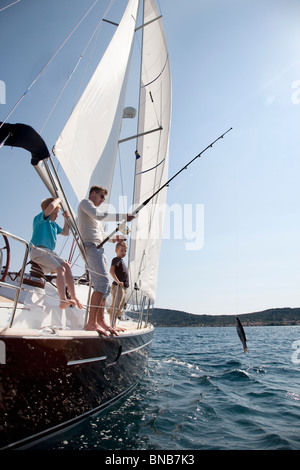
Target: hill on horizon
[{"x": 274, "y": 316}]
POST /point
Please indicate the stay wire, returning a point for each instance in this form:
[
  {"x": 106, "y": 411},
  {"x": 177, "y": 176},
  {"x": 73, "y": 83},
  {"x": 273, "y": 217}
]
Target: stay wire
[{"x": 48, "y": 63}]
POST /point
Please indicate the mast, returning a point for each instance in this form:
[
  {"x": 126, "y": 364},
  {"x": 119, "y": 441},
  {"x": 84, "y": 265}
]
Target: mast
[{"x": 142, "y": 5}]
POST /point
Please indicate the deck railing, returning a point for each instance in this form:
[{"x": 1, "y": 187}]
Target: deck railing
[
  {"x": 140, "y": 313},
  {"x": 22, "y": 272}
]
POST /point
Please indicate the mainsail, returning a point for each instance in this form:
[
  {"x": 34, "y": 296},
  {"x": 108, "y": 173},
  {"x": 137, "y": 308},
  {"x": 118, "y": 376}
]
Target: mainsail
[
  {"x": 87, "y": 146},
  {"x": 153, "y": 148}
]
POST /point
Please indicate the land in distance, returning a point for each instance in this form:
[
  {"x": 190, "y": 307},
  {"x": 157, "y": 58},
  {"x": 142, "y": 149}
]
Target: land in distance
[{"x": 276, "y": 316}]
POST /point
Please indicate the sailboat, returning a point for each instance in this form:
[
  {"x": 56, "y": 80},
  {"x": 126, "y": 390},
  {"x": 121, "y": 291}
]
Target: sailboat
[{"x": 53, "y": 372}]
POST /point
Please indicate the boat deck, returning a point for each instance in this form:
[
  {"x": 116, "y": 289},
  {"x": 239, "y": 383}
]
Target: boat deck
[
  {"x": 129, "y": 326},
  {"x": 66, "y": 333}
]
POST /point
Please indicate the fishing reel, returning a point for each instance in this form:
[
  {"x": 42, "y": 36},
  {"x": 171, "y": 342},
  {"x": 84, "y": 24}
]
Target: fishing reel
[{"x": 122, "y": 227}]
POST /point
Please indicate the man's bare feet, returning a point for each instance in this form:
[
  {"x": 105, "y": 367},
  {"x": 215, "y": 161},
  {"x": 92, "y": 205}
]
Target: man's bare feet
[
  {"x": 106, "y": 327},
  {"x": 96, "y": 327},
  {"x": 117, "y": 328}
]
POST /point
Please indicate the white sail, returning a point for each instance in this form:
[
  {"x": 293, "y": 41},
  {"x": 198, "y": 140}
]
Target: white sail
[
  {"x": 153, "y": 148},
  {"x": 87, "y": 146}
]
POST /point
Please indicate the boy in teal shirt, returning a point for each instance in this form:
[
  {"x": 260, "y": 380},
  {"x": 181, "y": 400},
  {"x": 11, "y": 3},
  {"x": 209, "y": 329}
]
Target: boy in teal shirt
[{"x": 45, "y": 231}]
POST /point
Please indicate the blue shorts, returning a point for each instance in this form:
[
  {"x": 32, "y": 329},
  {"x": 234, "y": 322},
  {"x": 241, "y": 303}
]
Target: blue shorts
[{"x": 98, "y": 268}]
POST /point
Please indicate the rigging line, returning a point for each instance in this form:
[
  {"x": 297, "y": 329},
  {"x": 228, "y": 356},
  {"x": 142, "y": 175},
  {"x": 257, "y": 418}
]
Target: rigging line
[
  {"x": 76, "y": 66},
  {"x": 49, "y": 61},
  {"x": 121, "y": 174},
  {"x": 74, "y": 262},
  {"x": 88, "y": 62},
  {"x": 64, "y": 244},
  {"x": 159, "y": 7},
  {"x": 98, "y": 27},
  {"x": 144, "y": 195},
  {"x": 92, "y": 51},
  {"x": 149, "y": 224},
  {"x": 7, "y": 6},
  {"x": 72, "y": 251},
  {"x": 157, "y": 184}
]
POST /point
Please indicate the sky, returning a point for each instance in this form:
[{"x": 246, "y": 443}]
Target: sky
[{"x": 233, "y": 245}]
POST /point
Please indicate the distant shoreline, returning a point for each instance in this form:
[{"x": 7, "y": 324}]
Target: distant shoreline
[
  {"x": 272, "y": 317},
  {"x": 161, "y": 317}
]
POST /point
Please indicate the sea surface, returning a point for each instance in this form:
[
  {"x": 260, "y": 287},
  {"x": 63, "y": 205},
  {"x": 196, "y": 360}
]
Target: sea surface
[{"x": 202, "y": 392}]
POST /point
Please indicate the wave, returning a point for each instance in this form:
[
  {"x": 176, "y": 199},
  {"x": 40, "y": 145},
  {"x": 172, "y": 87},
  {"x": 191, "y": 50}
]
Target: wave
[{"x": 236, "y": 375}]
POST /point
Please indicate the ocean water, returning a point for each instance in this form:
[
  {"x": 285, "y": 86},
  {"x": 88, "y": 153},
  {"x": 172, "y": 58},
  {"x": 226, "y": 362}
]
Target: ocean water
[{"x": 202, "y": 392}]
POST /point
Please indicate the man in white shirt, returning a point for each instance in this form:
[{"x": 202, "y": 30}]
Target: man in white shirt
[{"x": 92, "y": 233}]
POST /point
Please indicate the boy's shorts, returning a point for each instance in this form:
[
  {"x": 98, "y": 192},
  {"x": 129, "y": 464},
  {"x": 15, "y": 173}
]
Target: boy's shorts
[{"x": 47, "y": 259}]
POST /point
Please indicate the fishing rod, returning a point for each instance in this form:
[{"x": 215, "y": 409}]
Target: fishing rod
[{"x": 136, "y": 211}]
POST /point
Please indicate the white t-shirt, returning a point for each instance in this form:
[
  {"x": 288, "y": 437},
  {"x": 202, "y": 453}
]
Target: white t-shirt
[{"x": 89, "y": 221}]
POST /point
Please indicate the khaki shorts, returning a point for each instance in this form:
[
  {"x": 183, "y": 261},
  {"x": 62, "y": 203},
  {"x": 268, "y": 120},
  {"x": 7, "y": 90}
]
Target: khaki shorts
[{"x": 47, "y": 259}]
